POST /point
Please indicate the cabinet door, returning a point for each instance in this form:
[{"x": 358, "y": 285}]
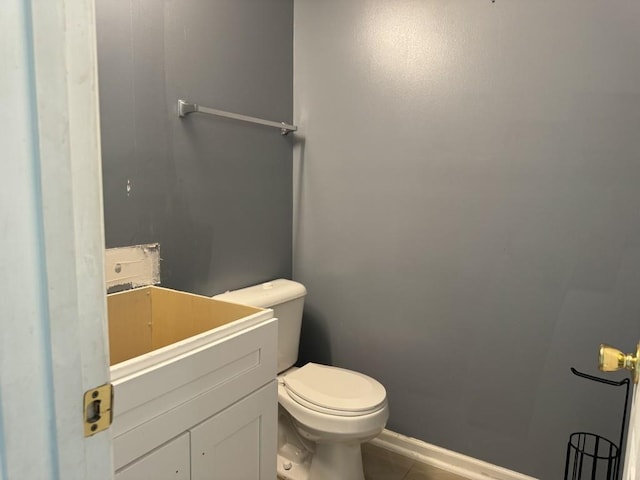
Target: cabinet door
[
  {"x": 239, "y": 443},
  {"x": 168, "y": 462}
]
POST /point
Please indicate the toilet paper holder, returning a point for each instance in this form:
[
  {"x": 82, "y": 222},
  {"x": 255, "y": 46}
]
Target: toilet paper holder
[{"x": 588, "y": 449}]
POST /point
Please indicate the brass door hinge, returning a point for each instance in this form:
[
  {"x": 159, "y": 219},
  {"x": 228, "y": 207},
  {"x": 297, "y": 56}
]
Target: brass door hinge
[{"x": 98, "y": 413}]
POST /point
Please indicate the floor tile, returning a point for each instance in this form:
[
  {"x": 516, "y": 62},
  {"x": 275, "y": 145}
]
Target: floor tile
[{"x": 381, "y": 464}]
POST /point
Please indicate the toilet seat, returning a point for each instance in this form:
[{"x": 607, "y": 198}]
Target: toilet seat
[{"x": 334, "y": 391}]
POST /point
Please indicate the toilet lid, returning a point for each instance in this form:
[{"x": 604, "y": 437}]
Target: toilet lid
[{"x": 335, "y": 390}]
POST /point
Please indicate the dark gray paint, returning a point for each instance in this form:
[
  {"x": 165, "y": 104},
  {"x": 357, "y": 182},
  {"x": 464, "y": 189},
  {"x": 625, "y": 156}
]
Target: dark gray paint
[
  {"x": 216, "y": 194},
  {"x": 467, "y": 217}
]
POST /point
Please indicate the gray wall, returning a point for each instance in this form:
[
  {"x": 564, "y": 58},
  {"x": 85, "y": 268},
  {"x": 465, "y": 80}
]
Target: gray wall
[
  {"x": 216, "y": 194},
  {"x": 467, "y": 216}
]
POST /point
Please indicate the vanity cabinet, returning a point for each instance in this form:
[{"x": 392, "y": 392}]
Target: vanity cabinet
[
  {"x": 168, "y": 462},
  {"x": 239, "y": 442},
  {"x": 195, "y": 394}
]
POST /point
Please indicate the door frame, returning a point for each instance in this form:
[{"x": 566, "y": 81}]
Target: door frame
[
  {"x": 53, "y": 340},
  {"x": 631, "y": 466}
]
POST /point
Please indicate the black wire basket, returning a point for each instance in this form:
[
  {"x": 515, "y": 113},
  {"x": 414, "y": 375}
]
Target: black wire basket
[{"x": 591, "y": 456}]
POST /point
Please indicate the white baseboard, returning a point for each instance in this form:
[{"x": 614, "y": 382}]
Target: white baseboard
[{"x": 444, "y": 459}]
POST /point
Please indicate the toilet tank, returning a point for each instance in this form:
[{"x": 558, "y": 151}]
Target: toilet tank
[{"x": 286, "y": 298}]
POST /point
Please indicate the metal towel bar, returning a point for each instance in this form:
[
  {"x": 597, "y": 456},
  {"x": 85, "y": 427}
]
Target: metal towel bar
[{"x": 185, "y": 108}]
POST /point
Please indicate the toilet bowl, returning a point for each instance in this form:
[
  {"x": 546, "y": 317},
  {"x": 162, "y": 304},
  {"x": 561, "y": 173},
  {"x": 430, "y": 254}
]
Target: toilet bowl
[
  {"x": 333, "y": 409},
  {"x": 325, "y": 413}
]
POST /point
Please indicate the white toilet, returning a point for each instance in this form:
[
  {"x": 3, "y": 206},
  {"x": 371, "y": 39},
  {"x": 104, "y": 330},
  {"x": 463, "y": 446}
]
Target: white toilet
[{"x": 325, "y": 413}]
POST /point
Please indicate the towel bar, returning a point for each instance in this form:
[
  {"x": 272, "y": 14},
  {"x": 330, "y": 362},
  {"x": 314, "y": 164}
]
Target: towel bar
[{"x": 185, "y": 108}]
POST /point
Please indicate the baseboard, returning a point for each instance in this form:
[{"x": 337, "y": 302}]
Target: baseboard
[{"x": 453, "y": 462}]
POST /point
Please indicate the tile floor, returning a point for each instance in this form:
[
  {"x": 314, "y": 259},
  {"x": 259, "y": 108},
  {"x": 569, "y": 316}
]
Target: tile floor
[{"x": 381, "y": 464}]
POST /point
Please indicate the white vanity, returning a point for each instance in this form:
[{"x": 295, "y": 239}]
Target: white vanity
[{"x": 195, "y": 395}]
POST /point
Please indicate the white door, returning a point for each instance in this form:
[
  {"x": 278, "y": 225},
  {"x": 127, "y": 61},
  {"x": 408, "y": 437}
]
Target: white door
[
  {"x": 611, "y": 359},
  {"x": 631, "y": 469},
  {"x": 53, "y": 342},
  {"x": 632, "y": 456}
]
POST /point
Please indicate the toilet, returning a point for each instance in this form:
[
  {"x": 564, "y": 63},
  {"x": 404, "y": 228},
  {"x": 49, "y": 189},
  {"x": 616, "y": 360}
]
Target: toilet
[{"x": 325, "y": 413}]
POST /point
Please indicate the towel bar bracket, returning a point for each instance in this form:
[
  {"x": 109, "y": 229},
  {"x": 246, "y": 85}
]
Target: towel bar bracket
[{"x": 184, "y": 108}]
